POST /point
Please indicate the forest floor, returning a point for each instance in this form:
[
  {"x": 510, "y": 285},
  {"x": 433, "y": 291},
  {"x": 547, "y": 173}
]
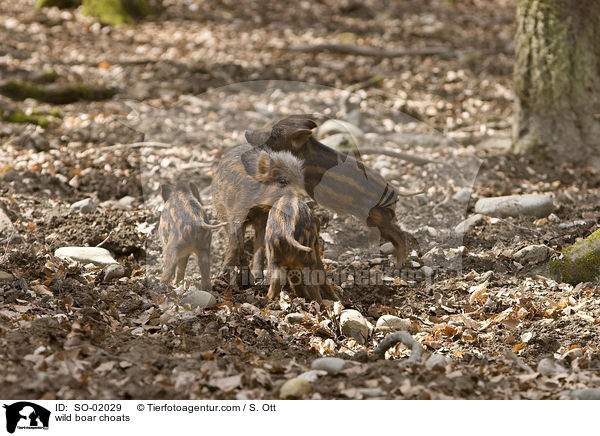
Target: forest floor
[{"x": 188, "y": 79}]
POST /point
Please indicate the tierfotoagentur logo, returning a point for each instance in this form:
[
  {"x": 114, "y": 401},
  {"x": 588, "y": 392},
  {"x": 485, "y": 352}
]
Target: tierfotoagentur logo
[{"x": 24, "y": 415}]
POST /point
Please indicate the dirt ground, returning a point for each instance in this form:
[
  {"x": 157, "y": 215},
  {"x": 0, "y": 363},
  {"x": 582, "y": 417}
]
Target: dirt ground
[{"x": 65, "y": 333}]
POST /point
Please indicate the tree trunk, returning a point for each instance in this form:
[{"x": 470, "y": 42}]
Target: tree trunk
[{"x": 557, "y": 80}]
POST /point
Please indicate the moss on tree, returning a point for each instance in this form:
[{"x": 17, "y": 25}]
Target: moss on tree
[{"x": 580, "y": 262}]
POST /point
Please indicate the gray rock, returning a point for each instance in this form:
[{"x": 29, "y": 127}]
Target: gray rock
[
  {"x": 538, "y": 205},
  {"x": 96, "y": 255},
  {"x": 387, "y": 323},
  {"x": 463, "y": 196},
  {"x": 250, "y": 309},
  {"x": 199, "y": 299},
  {"x": 295, "y": 388},
  {"x": 332, "y": 365},
  {"x": 436, "y": 361},
  {"x": 427, "y": 271},
  {"x": 113, "y": 271},
  {"x": 467, "y": 225},
  {"x": 532, "y": 254},
  {"x": 6, "y": 277},
  {"x": 549, "y": 367},
  {"x": 86, "y": 205},
  {"x": 387, "y": 248},
  {"x": 371, "y": 392},
  {"x": 354, "y": 325},
  {"x": 294, "y": 318},
  {"x": 330, "y": 127},
  {"x": 125, "y": 202},
  {"x": 586, "y": 394}
]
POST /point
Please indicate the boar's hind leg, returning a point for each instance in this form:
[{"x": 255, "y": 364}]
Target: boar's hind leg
[
  {"x": 383, "y": 219},
  {"x": 235, "y": 236},
  {"x": 170, "y": 263},
  {"x": 204, "y": 265},
  {"x": 181, "y": 266}
]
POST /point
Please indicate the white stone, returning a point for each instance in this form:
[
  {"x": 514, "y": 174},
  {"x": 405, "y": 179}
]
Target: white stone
[
  {"x": 354, "y": 325},
  {"x": 126, "y": 202},
  {"x": 199, "y": 299},
  {"x": 295, "y": 388},
  {"x": 86, "y": 205},
  {"x": 332, "y": 365},
  {"x": 538, "y": 205},
  {"x": 96, "y": 255},
  {"x": 387, "y": 323}
]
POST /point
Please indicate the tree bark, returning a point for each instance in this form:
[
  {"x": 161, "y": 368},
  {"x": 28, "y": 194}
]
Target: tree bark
[{"x": 557, "y": 80}]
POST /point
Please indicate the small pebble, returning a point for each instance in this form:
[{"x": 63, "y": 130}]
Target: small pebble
[
  {"x": 354, "y": 325},
  {"x": 5, "y": 277},
  {"x": 113, "y": 271},
  {"x": 294, "y": 318},
  {"x": 549, "y": 367},
  {"x": 332, "y": 365},
  {"x": 387, "y": 323},
  {"x": 586, "y": 394},
  {"x": 387, "y": 248},
  {"x": 437, "y": 361}
]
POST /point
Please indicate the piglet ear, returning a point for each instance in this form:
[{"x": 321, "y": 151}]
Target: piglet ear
[
  {"x": 165, "y": 191},
  {"x": 263, "y": 166},
  {"x": 299, "y": 138},
  {"x": 195, "y": 192}
]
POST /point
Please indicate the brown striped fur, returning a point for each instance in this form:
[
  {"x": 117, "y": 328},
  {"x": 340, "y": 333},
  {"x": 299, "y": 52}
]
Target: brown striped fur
[
  {"x": 292, "y": 244},
  {"x": 184, "y": 231},
  {"x": 338, "y": 181},
  {"x": 247, "y": 182}
]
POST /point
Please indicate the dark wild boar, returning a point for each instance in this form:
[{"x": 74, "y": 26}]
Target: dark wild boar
[
  {"x": 246, "y": 183},
  {"x": 292, "y": 244},
  {"x": 184, "y": 231},
  {"x": 337, "y": 181}
]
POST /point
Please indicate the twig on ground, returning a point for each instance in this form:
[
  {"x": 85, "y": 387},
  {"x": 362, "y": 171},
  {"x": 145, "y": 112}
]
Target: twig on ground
[
  {"x": 518, "y": 227},
  {"x": 359, "y": 50},
  {"x": 137, "y": 145},
  {"x": 398, "y": 154},
  {"x": 105, "y": 239}
]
